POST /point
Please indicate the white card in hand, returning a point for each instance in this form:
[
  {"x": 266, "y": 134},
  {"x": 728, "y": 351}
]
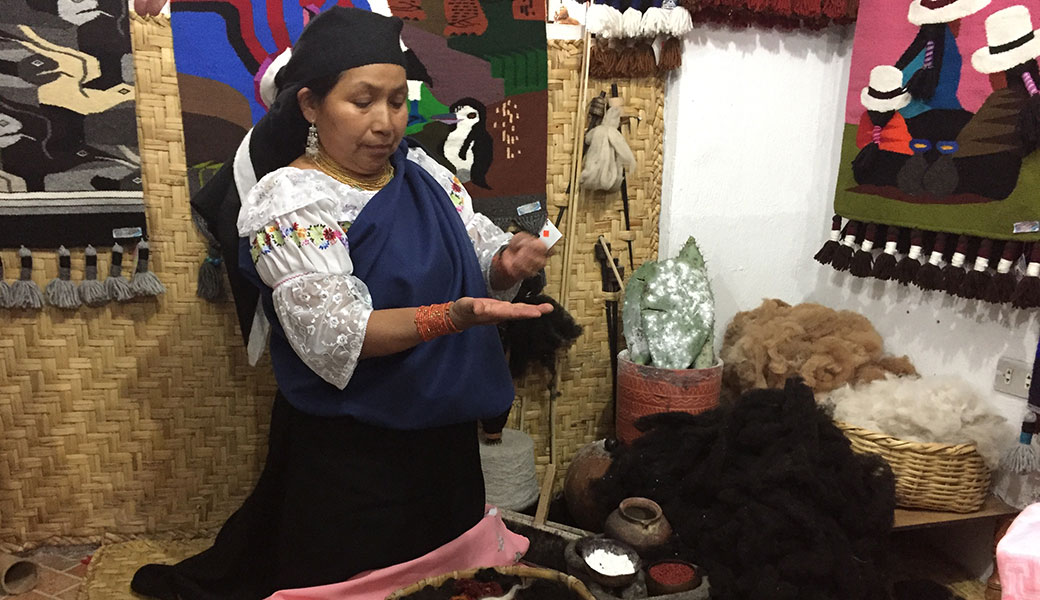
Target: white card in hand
[{"x": 550, "y": 234}]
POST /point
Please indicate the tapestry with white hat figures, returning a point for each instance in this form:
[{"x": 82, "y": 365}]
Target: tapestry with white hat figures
[
  {"x": 477, "y": 76},
  {"x": 939, "y": 180},
  {"x": 70, "y": 167}
]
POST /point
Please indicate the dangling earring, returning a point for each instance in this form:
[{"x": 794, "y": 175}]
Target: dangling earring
[{"x": 312, "y": 141}]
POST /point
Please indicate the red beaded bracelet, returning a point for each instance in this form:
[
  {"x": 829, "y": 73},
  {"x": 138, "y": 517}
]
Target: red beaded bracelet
[{"x": 434, "y": 320}]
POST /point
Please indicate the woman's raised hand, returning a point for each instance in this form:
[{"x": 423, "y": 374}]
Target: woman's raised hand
[
  {"x": 467, "y": 312},
  {"x": 523, "y": 257}
]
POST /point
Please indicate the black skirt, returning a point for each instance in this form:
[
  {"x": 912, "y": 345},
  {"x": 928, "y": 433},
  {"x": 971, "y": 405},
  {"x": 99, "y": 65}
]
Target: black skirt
[{"x": 336, "y": 497}]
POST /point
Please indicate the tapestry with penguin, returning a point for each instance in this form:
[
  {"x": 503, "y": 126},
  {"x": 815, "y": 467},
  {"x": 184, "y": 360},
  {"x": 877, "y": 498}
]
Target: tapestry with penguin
[
  {"x": 70, "y": 166},
  {"x": 939, "y": 174},
  {"x": 477, "y": 87}
]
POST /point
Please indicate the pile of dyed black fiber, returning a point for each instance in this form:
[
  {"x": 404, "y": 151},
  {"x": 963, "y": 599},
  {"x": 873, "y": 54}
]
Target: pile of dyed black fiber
[
  {"x": 767, "y": 495},
  {"x": 489, "y": 583}
]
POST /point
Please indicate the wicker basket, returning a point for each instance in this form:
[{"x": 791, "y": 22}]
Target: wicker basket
[
  {"x": 934, "y": 476},
  {"x": 573, "y": 583}
]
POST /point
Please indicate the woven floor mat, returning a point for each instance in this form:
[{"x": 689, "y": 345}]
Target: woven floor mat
[{"x": 113, "y": 565}]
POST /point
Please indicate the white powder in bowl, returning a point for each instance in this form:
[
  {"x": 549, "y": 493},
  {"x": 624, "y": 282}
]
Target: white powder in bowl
[{"x": 608, "y": 563}]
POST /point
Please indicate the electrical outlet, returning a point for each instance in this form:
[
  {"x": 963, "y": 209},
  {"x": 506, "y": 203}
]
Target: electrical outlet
[{"x": 1013, "y": 377}]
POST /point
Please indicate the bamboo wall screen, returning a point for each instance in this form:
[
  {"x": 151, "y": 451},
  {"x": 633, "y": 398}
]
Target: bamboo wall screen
[{"x": 144, "y": 418}]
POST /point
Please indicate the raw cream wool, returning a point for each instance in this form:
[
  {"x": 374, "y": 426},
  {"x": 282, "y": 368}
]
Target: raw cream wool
[
  {"x": 608, "y": 563},
  {"x": 940, "y": 409}
]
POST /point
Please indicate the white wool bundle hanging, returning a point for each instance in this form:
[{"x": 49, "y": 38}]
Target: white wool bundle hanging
[
  {"x": 604, "y": 21},
  {"x": 632, "y": 23},
  {"x": 679, "y": 21},
  {"x": 939, "y": 409},
  {"x": 654, "y": 22},
  {"x": 595, "y": 17},
  {"x": 608, "y": 154}
]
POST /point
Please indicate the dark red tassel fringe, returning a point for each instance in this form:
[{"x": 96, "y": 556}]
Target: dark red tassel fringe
[
  {"x": 1027, "y": 294},
  {"x": 906, "y": 270},
  {"x": 862, "y": 263},
  {"x": 1001, "y": 289},
  {"x": 842, "y": 258},
  {"x": 826, "y": 254},
  {"x": 930, "y": 277},
  {"x": 884, "y": 267},
  {"x": 953, "y": 277},
  {"x": 974, "y": 285}
]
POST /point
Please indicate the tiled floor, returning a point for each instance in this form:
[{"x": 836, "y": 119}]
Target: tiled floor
[{"x": 61, "y": 572}]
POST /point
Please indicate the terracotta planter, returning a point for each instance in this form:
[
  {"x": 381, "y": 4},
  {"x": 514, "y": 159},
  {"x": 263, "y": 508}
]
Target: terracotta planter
[{"x": 645, "y": 390}]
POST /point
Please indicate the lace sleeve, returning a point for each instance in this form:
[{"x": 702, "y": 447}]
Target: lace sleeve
[
  {"x": 325, "y": 318},
  {"x": 302, "y": 254}
]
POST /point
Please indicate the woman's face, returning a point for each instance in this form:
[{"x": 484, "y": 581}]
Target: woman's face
[{"x": 362, "y": 119}]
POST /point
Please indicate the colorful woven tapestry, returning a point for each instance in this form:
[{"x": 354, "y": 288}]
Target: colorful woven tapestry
[
  {"x": 939, "y": 182},
  {"x": 477, "y": 87},
  {"x": 70, "y": 169}
]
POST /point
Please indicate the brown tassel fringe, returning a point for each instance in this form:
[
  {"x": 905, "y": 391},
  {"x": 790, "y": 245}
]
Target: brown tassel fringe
[{"x": 671, "y": 55}]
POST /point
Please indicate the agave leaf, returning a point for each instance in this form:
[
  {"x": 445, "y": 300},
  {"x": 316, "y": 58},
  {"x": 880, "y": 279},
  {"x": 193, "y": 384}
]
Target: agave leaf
[
  {"x": 631, "y": 319},
  {"x": 677, "y": 313},
  {"x": 691, "y": 254}
]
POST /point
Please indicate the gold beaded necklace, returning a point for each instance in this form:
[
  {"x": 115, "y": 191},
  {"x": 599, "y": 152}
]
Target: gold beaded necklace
[{"x": 328, "y": 166}]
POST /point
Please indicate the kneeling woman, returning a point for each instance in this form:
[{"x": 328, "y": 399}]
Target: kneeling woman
[{"x": 376, "y": 276}]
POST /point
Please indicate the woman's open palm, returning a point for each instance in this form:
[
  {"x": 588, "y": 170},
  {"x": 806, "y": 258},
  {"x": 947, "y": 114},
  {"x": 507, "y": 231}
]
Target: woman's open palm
[{"x": 467, "y": 312}]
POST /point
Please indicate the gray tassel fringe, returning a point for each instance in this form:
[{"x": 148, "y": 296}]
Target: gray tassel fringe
[
  {"x": 61, "y": 292},
  {"x": 92, "y": 291},
  {"x": 116, "y": 286},
  {"x": 24, "y": 292},
  {"x": 145, "y": 282},
  {"x": 211, "y": 278},
  {"x": 6, "y": 301}
]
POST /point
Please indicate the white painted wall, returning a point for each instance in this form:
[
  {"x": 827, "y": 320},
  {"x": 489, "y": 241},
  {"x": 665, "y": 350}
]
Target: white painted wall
[{"x": 752, "y": 134}]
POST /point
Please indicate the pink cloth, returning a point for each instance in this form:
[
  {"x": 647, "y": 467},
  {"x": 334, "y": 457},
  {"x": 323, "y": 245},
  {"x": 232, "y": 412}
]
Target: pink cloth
[
  {"x": 486, "y": 544},
  {"x": 1018, "y": 557}
]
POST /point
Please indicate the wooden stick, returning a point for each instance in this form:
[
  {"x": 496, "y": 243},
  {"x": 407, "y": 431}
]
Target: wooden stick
[
  {"x": 544, "y": 495},
  {"x": 575, "y": 191},
  {"x": 610, "y": 261}
]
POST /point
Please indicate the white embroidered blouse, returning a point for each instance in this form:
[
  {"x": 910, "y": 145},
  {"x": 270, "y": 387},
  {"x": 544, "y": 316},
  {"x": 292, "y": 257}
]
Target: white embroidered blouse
[{"x": 295, "y": 221}]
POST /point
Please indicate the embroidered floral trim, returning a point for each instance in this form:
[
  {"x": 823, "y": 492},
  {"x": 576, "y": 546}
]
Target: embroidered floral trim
[
  {"x": 319, "y": 235},
  {"x": 456, "y": 194}
]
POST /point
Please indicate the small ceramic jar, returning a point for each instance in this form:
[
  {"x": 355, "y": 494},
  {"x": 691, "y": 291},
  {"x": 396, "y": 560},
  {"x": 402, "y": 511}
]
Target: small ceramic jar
[{"x": 638, "y": 522}]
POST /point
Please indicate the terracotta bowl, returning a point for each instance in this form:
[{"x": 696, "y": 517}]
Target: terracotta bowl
[
  {"x": 585, "y": 548},
  {"x": 658, "y": 587}
]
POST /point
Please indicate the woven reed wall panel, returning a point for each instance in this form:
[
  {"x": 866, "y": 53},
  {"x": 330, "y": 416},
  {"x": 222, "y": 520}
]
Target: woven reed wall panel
[
  {"x": 584, "y": 412},
  {"x": 137, "y": 417},
  {"x": 145, "y": 418}
]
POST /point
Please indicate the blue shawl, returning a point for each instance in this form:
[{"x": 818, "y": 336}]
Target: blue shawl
[{"x": 409, "y": 247}]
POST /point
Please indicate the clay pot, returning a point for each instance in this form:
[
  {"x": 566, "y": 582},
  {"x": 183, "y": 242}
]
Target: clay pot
[
  {"x": 590, "y": 462},
  {"x": 639, "y": 522}
]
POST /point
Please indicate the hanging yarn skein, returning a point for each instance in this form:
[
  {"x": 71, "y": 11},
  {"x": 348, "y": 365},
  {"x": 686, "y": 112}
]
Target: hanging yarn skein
[
  {"x": 91, "y": 291},
  {"x": 116, "y": 286},
  {"x": 61, "y": 292},
  {"x": 509, "y": 476},
  {"x": 608, "y": 154},
  {"x": 145, "y": 282},
  {"x": 24, "y": 292},
  {"x": 6, "y": 301}
]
